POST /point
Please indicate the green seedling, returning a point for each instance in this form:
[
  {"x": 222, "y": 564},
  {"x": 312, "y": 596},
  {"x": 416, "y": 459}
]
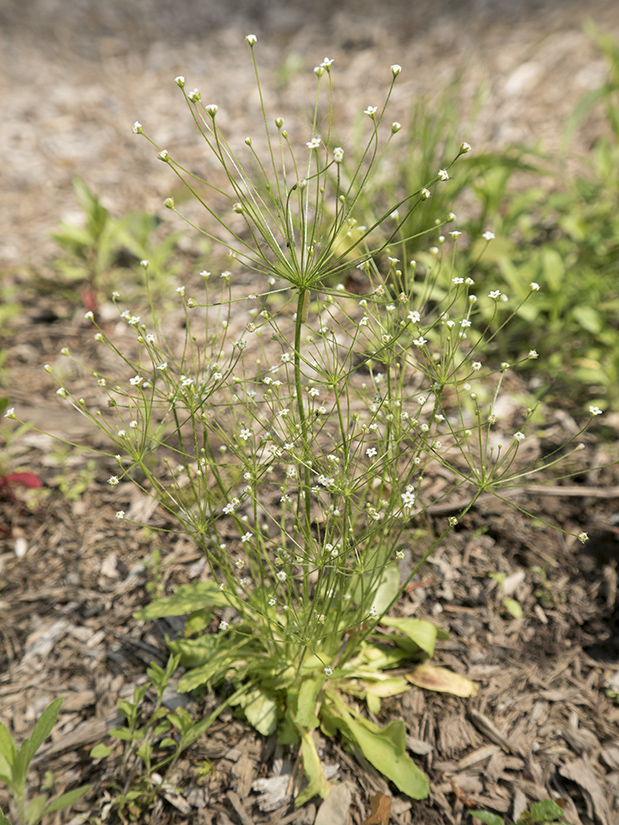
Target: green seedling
[{"x": 14, "y": 764}]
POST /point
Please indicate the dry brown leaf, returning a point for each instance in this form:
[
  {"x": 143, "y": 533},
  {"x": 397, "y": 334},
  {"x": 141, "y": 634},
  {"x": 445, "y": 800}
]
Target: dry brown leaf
[
  {"x": 380, "y": 810},
  {"x": 442, "y": 680}
]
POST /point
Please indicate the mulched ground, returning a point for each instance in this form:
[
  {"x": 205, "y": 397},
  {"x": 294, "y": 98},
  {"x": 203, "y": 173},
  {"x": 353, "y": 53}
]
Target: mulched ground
[{"x": 71, "y": 575}]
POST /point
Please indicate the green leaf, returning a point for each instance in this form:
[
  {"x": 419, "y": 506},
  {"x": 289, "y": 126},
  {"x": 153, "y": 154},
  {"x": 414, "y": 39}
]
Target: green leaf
[
  {"x": 423, "y": 633},
  {"x": 187, "y": 599},
  {"x": 385, "y": 748},
  {"x": 261, "y": 711},
  {"x": 34, "y": 809},
  {"x": 388, "y": 588},
  {"x": 43, "y": 728},
  {"x": 513, "y": 607},
  {"x": 100, "y": 751},
  {"x": 384, "y": 686},
  {"x": 8, "y": 749},
  {"x": 305, "y": 715},
  {"x": 317, "y": 785},
  {"x": 3, "y": 819},
  {"x": 67, "y": 799},
  {"x": 487, "y": 818},
  {"x": 373, "y": 702},
  {"x": 544, "y": 811},
  {"x": 122, "y": 733}
]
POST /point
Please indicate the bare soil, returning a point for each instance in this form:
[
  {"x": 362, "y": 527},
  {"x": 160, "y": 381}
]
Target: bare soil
[{"x": 73, "y": 78}]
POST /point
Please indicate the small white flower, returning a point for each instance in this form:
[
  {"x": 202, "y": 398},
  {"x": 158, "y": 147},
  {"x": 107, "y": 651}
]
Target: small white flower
[
  {"x": 180, "y": 81},
  {"x": 370, "y": 111},
  {"x": 371, "y": 452},
  {"x": 120, "y": 514},
  {"x": 414, "y": 316},
  {"x": 90, "y": 316},
  {"x": 534, "y": 286},
  {"x": 251, "y": 39},
  {"x": 583, "y": 537},
  {"x": 61, "y": 392},
  {"x": 425, "y": 193},
  {"x": 457, "y": 281},
  {"x": 180, "y": 290},
  {"x": 419, "y": 342},
  {"x": 464, "y": 148},
  {"x": 314, "y": 143},
  {"x": 281, "y": 576},
  {"x": 396, "y": 69},
  {"x": 113, "y": 481},
  {"x": 327, "y": 63},
  {"x": 272, "y": 602},
  {"x": 136, "y": 380},
  {"x": 488, "y": 236},
  {"x": 443, "y": 174},
  {"x": 476, "y": 365},
  {"x": 338, "y": 154},
  {"x": 164, "y": 156},
  {"x": 395, "y": 127},
  {"x": 408, "y": 498},
  {"x": 495, "y": 294},
  {"x": 533, "y": 354},
  {"x": 10, "y": 413},
  {"x": 137, "y": 128},
  {"x": 595, "y": 410},
  {"x": 455, "y": 234},
  {"x": 223, "y": 625},
  {"x": 246, "y": 433},
  {"x": 373, "y": 612},
  {"x": 283, "y": 412},
  {"x": 328, "y": 672},
  {"x": 518, "y": 436},
  {"x": 246, "y": 537},
  {"x": 452, "y": 521}
]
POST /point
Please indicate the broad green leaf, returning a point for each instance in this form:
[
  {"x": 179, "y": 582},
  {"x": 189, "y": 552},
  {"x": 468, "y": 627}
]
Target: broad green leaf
[
  {"x": 261, "y": 712},
  {"x": 588, "y": 318},
  {"x": 388, "y": 588},
  {"x": 317, "y": 783},
  {"x": 34, "y": 809},
  {"x": 196, "y": 652},
  {"x": 67, "y": 799},
  {"x": 441, "y": 680},
  {"x": 122, "y": 733},
  {"x": 544, "y": 811},
  {"x": 187, "y": 599},
  {"x": 487, "y": 818},
  {"x": 305, "y": 715},
  {"x": 373, "y": 702},
  {"x": 423, "y": 633},
  {"x": 385, "y": 748},
  {"x": 100, "y": 751},
  {"x": 390, "y": 686}
]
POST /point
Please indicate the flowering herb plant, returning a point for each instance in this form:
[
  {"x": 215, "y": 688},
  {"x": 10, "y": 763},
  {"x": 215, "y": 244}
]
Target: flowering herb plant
[{"x": 296, "y": 428}]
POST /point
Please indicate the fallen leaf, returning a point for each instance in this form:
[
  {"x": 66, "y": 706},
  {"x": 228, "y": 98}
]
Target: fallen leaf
[
  {"x": 380, "y": 810},
  {"x": 336, "y": 807},
  {"x": 442, "y": 680}
]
